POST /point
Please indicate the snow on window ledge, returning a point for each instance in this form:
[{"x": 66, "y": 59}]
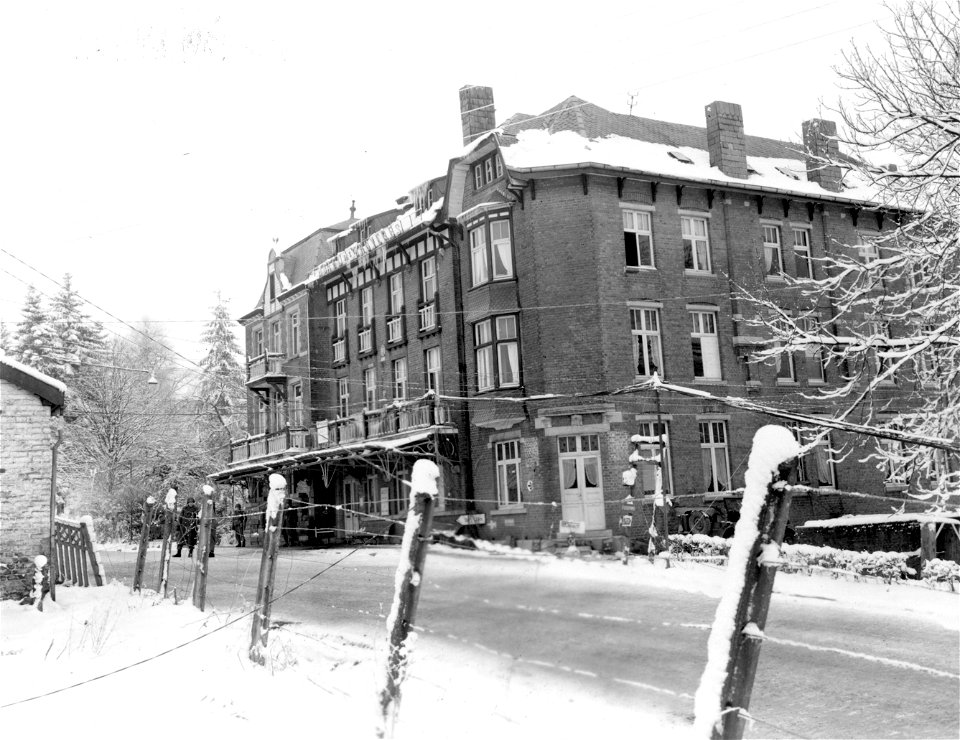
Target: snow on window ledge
[
  {"x": 511, "y": 509},
  {"x": 698, "y": 273}
]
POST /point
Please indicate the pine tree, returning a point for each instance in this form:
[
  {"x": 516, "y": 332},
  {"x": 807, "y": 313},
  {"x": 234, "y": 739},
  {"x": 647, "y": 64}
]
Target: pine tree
[
  {"x": 78, "y": 335},
  {"x": 5, "y": 343},
  {"x": 223, "y": 381},
  {"x": 34, "y": 342}
]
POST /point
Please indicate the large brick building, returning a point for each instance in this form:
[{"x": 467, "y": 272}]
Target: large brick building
[{"x": 561, "y": 257}]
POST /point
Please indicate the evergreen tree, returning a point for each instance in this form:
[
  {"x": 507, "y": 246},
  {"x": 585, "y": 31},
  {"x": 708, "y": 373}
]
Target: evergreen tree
[
  {"x": 223, "y": 380},
  {"x": 34, "y": 343},
  {"x": 78, "y": 336},
  {"x": 5, "y": 344}
]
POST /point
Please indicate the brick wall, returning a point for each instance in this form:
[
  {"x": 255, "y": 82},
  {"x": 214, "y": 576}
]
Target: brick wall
[{"x": 26, "y": 438}]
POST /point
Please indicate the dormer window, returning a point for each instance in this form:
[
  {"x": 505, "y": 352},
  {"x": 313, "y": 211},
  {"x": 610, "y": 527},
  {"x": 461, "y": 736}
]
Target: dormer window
[
  {"x": 487, "y": 170},
  {"x": 680, "y": 156},
  {"x": 273, "y": 287}
]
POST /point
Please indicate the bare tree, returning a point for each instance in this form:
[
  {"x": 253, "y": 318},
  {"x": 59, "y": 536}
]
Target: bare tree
[{"x": 894, "y": 328}]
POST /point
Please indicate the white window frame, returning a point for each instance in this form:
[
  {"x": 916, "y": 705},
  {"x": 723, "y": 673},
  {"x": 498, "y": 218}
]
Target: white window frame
[
  {"x": 370, "y": 388},
  {"x": 432, "y": 363},
  {"x": 688, "y": 233},
  {"x": 867, "y": 248},
  {"x": 638, "y": 224},
  {"x": 488, "y": 169},
  {"x": 396, "y": 293},
  {"x": 477, "y": 177},
  {"x": 258, "y": 342},
  {"x": 295, "y": 333},
  {"x": 815, "y": 355},
  {"x": 818, "y": 459},
  {"x": 276, "y": 337},
  {"x": 642, "y": 333},
  {"x": 712, "y": 447},
  {"x": 366, "y": 306},
  {"x": 295, "y": 412},
  {"x": 801, "y": 251},
  {"x": 428, "y": 279},
  {"x": 649, "y": 451},
  {"x": 399, "y": 371},
  {"x": 501, "y": 247},
  {"x": 498, "y": 163},
  {"x": 343, "y": 397},
  {"x": 496, "y": 349},
  {"x": 772, "y": 236},
  {"x": 479, "y": 259},
  {"x": 786, "y": 368},
  {"x": 506, "y": 455},
  {"x": 709, "y": 342},
  {"x": 340, "y": 318}
]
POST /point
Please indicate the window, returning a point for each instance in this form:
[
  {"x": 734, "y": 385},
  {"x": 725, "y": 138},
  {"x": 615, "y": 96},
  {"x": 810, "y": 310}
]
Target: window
[
  {"x": 880, "y": 339},
  {"x": 696, "y": 244},
  {"x": 508, "y": 473},
  {"x": 637, "y": 239},
  {"x": 488, "y": 169},
  {"x": 895, "y": 455},
  {"x": 340, "y": 318},
  {"x": 396, "y": 293},
  {"x": 369, "y": 388},
  {"x": 649, "y": 450},
  {"x": 276, "y": 411},
  {"x": 431, "y": 364},
  {"x": 815, "y": 353},
  {"x": 428, "y": 291},
  {"x": 343, "y": 396},
  {"x": 497, "y": 353},
  {"x": 814, "y": 469},
  {"x": 772, "y": 254},
  {"x": 296, "y": 406},
  {"x": 295, "y": 333},
  {"x": 275, "y": 337},
  {"x": 260, "y": 420},
  {"x": 258, "y": 342},
  {"x": 705, "y": 344},
  {"x": 714, "y": 454},
  {"x": 478, "y": 177},
  {"x": 801, "y": 250},
  {"x": 786, "y": 370},
  {"x": 645, "y": 327},
  {"x": 867, "y": 248},
  {"x": 498, "y": 163},
  {"x": 400, "y": 379},
  {"x": 502, "y": 249},
  {"x": 478, "y": 255},
  {"x": 365, "y": 333}
]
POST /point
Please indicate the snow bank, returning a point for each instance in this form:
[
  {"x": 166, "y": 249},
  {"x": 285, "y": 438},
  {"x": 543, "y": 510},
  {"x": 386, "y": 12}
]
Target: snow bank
[{"x": 772, "y": 445}]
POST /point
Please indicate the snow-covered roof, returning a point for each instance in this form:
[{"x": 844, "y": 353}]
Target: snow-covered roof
[
  {"x": 49, "y": 389},
  {"x": 403, "y": 223},
  {"x": 539, "y": 149},
  {"x": 857, "y": 520}
]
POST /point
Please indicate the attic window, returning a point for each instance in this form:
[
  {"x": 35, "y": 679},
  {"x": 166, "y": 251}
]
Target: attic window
[
  {"x": 789, "y": 173},
  {"x": 680, "y": 157}
]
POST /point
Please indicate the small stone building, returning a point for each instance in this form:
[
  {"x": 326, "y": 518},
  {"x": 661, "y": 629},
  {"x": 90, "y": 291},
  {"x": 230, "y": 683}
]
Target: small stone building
[{"x": 28, "y": 401}]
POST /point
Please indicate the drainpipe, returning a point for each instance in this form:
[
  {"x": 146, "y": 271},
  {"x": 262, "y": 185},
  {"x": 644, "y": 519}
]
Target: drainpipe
[{"x": 52, "y": 564}]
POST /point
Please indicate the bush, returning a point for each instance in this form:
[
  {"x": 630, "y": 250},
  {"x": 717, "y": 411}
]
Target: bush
[{"x": 941, "y": 571}]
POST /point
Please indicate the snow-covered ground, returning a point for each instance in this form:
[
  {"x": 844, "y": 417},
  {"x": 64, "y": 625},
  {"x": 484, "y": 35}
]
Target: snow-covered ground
[{"x": 168, "y": 667}]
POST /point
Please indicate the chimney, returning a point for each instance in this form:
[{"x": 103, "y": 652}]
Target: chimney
[
  {"x": 820, "y": 141},
  {"x": 476, "y": 111},
  {"x": 725, "y": 140}
]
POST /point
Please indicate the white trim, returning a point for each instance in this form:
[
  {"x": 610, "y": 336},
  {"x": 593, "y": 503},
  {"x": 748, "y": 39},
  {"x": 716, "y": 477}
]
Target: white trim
[
  {"x": 652, "y": 417},
  {"x": 637, "y": 207},
  {"x": 771, "y": 222},
  {"x": 702, "y": 307},
  {"x": 694, "y": 214},
  {"x": 801, "y": 225},
  {"x": 644, "y": 304},
  {"x": 484, "y": 208},
  {"x": 715, "y": 417}
]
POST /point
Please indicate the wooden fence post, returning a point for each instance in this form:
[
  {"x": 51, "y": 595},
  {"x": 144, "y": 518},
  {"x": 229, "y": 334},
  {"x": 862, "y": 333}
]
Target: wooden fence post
[
  {"x": 146, "y": 522},
  {"x": 268, "y": 569},
  {"x": 86, "y": 536},
  {"x": 754, "y": 605},
  {"x": 413, "y": 553},
  {"x": 203, "y": 549},
  {"x": 169, "y": 531}
]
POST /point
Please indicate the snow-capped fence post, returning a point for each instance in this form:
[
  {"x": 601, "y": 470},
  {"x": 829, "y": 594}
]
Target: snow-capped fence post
[
  {"x": 203, "y": 549},
  {"x": 409, "y": 578},
  {"x": 268, "y": 568},
  {"x": 733, "y": 648},
  {"x": 166, "y": 548},
  {"x": 145, "y": 523}
]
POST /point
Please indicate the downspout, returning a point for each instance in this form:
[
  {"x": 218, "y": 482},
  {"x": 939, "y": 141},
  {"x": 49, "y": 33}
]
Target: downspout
[{"x": 52, "y": 565}]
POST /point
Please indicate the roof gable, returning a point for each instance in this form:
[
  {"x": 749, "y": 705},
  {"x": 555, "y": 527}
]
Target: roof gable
[{"x": 49, "y": 390}]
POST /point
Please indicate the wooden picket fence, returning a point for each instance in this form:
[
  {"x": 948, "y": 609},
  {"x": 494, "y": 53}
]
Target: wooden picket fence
[{"x": 75, "y": 555}]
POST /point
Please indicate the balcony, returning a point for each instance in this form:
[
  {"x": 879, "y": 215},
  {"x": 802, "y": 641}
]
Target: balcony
[
  {"x": 394, "y": 329},
  {"x": 340, "y": 349},
  {"x": 395, "y": 419},
  {"x": 266, "y": 370},
  {"x": 428, "y": 316},
  {"x": 365, "y": 339}
]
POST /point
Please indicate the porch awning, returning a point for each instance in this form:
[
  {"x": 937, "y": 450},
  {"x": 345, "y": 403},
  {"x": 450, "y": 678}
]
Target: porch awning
[{"x": 351, "y": 450}]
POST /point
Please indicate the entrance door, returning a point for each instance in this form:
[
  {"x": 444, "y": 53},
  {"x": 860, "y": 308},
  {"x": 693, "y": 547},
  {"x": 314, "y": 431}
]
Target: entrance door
[
  {"x": 581, "y": 484},
  {"x": 351, "y": 505}
]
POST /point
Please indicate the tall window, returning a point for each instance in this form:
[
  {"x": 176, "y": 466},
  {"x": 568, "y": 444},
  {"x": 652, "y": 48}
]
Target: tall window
[
  {"x": 786, "y": 370},
  {"x": 369, "y": 388},
  {"x": 488, "y": 169},
  {"x": 715, "y": 456},
  {"x": 276, "y": 334},
  {"x": 501, "y": 248},
  {"x": 637, "y": 239},
  {"x": 276, "y": 411},
  {"x": 295, "y": 333},
  {"x": 801, "y": 250},
  {"x": 498, "y": 163},
  {"x": 478, "y": 177},
  {"x": 649, "y": 450},
  {"x": 696, "y": 243},
  {"x": 428, "y": 279},
  {"x": 645, "y": 327},
  {"x": 296, "y": 406},
  {"x": 343, "y": 396},
  {"x": 772, "y": 250},
  {"x": 867, "y": 248},
  {"x": 814, "y": 469},
  {"x": 400, "y": 379},
  {"x": 497, "y": 353},
  {"x": 508, "y": 473},
  {"x": 258, "y": 342},
  {"x": 705, "y": 344},
  {"x": 340, "y": 317},
  {"x": 261, "y": 417},
  {"x": 816, "y": 356},
  {"x": 396, "y": 293},
  {"x": 880, "y": 339},
  {"x": 431, "y": 364},
  {"x": 366, "y": 306},
  {"x": 478, "y": 255}
]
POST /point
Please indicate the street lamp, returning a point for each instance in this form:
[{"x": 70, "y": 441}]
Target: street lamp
[{"x": 152, "y": 380}]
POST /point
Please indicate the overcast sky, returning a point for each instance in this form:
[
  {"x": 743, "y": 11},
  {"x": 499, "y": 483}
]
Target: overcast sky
[{"x": 156, "y": 153}]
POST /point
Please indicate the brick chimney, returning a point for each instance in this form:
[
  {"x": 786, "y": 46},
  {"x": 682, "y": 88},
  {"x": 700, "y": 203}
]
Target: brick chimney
[
  {"x": 476, "y": 111},
  {"x": 725, "y": 140},
  {"x": 820, "y": 141}
]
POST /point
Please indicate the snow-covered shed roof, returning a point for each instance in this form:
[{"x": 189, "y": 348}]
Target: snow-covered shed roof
[
  {"x": 49, "y": 390},
  {"x": 859, "y": 520}
]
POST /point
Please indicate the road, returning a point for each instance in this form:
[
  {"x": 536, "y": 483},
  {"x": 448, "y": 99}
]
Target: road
[{"x": 825, "y": 671}]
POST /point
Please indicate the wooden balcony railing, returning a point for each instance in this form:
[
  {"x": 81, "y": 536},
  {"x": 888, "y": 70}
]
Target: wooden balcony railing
[
  {"x": 266, "y": 365},
  {"x": 390, "y": 420}
]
